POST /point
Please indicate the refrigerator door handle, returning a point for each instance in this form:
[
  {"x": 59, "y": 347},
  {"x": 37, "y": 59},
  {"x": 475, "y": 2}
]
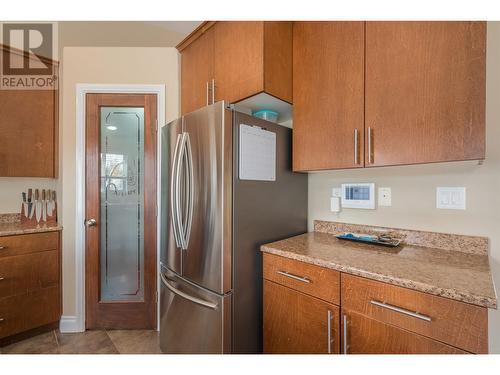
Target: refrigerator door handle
[
  {"x": 178, "y": 212},
  {"x": 173, "y": 192},
  {"x": 190, "y": 192},
  {"x": 180, "y": 293}
]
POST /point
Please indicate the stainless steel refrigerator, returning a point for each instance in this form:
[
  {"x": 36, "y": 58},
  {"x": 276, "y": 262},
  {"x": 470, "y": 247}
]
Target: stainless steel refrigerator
[{"x": 212, "y": 225}]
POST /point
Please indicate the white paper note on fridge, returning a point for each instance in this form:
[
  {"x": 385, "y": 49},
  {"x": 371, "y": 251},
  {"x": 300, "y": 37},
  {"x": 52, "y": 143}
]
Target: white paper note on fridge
[{"x": 257, "y": 154}]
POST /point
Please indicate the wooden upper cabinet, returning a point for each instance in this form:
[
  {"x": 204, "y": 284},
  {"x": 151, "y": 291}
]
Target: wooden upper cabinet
[
  {"x": 328, "y": 93},
  {"x": 197, "y": 71},
  {"x": 28, "y": 128},
  {"x": 28, "y": 125},
  {"x": 239, "y": 59},
  {"x": 242, "y": 58},
  {"x": 425, "y": 92},
  {"x": 253, "y": 57}
]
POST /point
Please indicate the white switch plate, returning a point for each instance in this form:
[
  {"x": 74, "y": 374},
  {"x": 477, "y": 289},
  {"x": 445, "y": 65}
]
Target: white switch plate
[
  {"x": 336, "y": 192},
  {"x": 384, "y": 196},
  {"x": 450, "y": 198},
  {"x": 335, "y": 204}
]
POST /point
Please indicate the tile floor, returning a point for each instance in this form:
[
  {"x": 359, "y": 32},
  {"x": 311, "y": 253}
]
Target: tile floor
[{"x": 89, "y": 342}]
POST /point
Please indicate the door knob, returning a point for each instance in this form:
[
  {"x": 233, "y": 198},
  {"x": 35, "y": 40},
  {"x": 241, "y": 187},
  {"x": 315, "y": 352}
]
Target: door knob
[{"x": 91, "y": 223}]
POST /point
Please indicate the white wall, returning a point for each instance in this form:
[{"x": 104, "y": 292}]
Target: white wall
[
  {"x": 104, "y": 65},
  {"x": 414, "y": 188}
]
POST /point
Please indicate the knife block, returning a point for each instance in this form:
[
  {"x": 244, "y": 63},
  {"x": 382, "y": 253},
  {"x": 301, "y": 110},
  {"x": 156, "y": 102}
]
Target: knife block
[
  {"x": 25, "y": 220},
  {"x": 51, "y": 219}
]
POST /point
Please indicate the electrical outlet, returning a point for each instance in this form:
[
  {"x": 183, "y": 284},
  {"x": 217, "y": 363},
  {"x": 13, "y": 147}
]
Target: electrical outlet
[{"x": 384, "y": 197}]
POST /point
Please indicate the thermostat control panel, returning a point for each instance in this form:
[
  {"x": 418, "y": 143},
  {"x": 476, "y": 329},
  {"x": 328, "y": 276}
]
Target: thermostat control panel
[{"x": 358, "y": 195}]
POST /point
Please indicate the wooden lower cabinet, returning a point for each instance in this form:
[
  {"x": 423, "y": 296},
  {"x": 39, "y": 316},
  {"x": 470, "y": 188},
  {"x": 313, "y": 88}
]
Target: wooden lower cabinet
[
  {"x": 30, "y": 284},
  {"x": 372, "y": 317},
  {"x": 297, "y": 323},
  {"x": 368, "y": 336}
]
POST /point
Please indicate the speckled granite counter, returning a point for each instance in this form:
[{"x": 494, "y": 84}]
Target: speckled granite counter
[
  {"x": 461, "y": 274},
  {"x": 10, "y": 225}
]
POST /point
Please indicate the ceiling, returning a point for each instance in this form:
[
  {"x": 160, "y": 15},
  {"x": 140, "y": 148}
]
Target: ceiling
[{"x": 181, "y": 27}]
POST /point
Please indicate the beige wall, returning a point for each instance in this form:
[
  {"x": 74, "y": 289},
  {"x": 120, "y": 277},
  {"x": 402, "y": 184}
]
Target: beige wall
[
  {"x": 11, "y": 188},
  {"x": 414, "y": 188},
  {"x": 102, "y": 65}
]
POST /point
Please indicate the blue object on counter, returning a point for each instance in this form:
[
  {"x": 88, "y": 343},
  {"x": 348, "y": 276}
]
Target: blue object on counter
[
  {"x": 366, "y": 238},
  {"x": 267, "y": 114}
]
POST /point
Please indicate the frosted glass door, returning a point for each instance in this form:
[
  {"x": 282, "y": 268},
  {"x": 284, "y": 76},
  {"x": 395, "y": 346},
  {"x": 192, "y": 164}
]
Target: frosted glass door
[{"x": 122, "y": 204}]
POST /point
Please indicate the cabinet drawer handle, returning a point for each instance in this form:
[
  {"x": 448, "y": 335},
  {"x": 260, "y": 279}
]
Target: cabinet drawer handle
[
  {"x": 2, "y": 278},
  {"x": 295, "y": 277},
  {"x": 344, "y": 334},
  {"x": 401, "y": 310},
  {"x": 329, "y": 327},
  {"x": 1, "y": 320},
  {"x": 3, "y": 247}
]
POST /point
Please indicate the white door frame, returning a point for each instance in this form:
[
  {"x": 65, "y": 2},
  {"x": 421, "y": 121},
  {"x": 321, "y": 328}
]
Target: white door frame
[{"x": 77, "y": 323}]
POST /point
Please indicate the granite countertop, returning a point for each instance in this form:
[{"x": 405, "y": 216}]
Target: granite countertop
[
  {"x": 458, "y": 274},
  {"x": 10, "y": 225}
]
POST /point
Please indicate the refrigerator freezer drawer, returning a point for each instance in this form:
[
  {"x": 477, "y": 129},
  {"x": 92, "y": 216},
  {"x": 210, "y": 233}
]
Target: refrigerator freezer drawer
[{"x": 193, "y": 320}]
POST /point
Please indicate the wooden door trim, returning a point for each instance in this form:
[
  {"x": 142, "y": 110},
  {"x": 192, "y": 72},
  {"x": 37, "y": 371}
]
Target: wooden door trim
[{"x": 76, "y": 322}]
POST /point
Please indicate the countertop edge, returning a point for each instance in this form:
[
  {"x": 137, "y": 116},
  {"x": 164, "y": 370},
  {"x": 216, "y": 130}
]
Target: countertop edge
[
  {"x": 420, "y": 287},
  {"x": 14, "y": 232}
]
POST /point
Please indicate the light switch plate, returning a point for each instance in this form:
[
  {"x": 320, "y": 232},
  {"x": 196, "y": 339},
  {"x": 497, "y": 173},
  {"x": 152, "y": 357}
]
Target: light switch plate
[
  {"x": 384, "y": 196},
  {"x": 337, "y": 192},
  {"x": 450, "y": 198}
]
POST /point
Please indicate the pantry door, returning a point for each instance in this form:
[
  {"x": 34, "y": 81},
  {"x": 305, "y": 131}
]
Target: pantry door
[{"x": 120, "y": 210}]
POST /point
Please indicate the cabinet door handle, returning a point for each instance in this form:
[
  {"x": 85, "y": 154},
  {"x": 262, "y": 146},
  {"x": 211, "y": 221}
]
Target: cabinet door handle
[
  {"x": 370, "y": 141},
  {"x": 2, "y": 247},
  {"x": 344, "y": 334},
  {"x": 356, "y": 146},
  {"x": 329, "y": 336},
  {"x": 401, "y": 310},
  {"x": 207, "y": 91},
  {"x": 1, "y": 320},
  {"x": 2, "y": 278},
  {"x": 295, "y": 277},
  {"x": 213, "y": 90}
]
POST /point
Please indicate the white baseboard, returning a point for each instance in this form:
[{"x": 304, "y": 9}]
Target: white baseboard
[{"x": 70, "y": 323}]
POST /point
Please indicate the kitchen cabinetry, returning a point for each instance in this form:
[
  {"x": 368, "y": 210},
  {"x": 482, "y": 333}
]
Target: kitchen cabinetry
[
  {"x": 28, "y": 132},
  {"x": 368, "y": 336},
  {"x": 425, "y": 92},
  {"x": 197, "y": 71},
  {"x": 453, "y": 322},
  {"x": 300, "y": 315},
  {"x": 233, "y": 60},
  {"x": 30, "y": 283},
  {"x": 375, "y": 317},
  {"x": 415, "y": 90},
  {"x": 297, "y": 323},
  {"x": 328, "y": 92}
]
